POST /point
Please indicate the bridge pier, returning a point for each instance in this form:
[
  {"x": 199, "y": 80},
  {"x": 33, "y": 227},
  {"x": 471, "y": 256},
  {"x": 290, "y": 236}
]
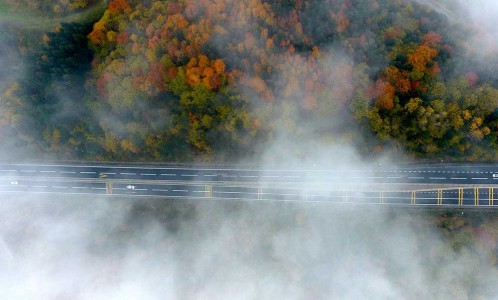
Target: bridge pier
[
  {"x": 460, "y": 196},
  {"x": 414, "y": 197},
  {"x": 108, "y": 187},
  {"x": 208, "y": 191},
  {"x": 476, "y": 196},
  {"x": 439, "y": 197},
  {"x": 381, "y": 197},
  {"x": 491, "y": 196}
]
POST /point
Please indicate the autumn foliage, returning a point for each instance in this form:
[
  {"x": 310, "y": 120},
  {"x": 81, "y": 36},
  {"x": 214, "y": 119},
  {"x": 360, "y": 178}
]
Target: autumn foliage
[
  {"x": 214, "y": 79},
  {"x": 116, "y": 6}
]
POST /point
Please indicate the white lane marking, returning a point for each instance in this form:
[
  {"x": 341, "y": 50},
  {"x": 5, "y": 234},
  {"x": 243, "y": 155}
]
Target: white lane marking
[
  {"x": 208, "y": 175},
  {"x": 47, "y": 171},
  {"x": 189, "y": 175},
  {"x": 28, "y": 171},
  {"x": 126, "y": 173},
  {"x": 248, "y": 176},
  {"x": 437, "y": 178},
  {"x": 458, "y": 178},
  {"x": 199, "y": 191},
  {"x": 399, "y": 177},
  {"x": 159, "y": 190},
  {"x": 107, "y": 173},
  {"x": 168, "y": 174},
  {"x": 40, "y": 186},
  {"x": 148, "y": 174},
  {"x": 229, "y": 176},
  {"x": 479, "y": 178},
  {"x": 60, "y": 187},
  {"x": 180, "y": 190},
  {"x": 67, "y": 172},
  {"x": 274, "y": 194},
  {"x": 416, "y": 177},
  {"x": 99, "y": 188},
  {"x": 292, "y": 176},
  {"x": 78, "y": 187},
  {"x": 140, "y": 189},
  {"x": 228, "y": 192},
  {"x": 85, "y": 172}
]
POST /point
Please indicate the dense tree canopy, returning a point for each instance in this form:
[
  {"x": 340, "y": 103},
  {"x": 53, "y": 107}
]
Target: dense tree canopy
[{"x": 216, "y": 79}]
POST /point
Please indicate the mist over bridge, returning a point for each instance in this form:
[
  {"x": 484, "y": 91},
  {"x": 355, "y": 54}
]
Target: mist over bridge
[{"x": 417, "y": 184}]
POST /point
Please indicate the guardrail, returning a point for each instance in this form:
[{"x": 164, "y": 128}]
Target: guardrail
[{"x": 438, "y": 195}]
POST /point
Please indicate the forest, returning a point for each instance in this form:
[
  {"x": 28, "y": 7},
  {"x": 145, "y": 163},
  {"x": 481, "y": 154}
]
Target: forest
[{"x": 218, "y": 80}]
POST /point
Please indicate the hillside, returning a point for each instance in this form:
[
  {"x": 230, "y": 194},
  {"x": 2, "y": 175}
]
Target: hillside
[{"x": 221, "y": 80}]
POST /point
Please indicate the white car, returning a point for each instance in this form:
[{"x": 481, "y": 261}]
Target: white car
[
  {"x": 495, "y": 175},
  {"x": 14, "y": 182},
  {"x": 130, "y": 187}
]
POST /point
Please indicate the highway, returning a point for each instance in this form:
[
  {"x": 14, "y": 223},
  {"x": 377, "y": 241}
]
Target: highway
[{"x": 428, "y": 184}]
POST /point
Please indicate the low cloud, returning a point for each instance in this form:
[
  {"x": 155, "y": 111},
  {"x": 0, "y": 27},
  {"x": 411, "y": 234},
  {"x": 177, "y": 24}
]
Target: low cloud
[{"x": 121, "y": 249}]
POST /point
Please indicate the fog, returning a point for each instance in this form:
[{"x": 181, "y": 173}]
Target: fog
[
  {"x": 478, "y": 15},
  {"x": 88, "y": 247},
  {"x": 100, "y": 248}
]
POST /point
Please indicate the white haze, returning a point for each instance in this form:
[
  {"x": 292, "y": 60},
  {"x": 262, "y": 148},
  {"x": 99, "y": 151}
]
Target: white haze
[
  {"x": 91, "y": 249},
  {"x": 481, "y": 15},
  {"x": 94, "y": 248}
]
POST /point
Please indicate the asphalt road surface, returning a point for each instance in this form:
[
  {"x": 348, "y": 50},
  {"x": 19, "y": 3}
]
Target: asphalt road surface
[{"x": 429, "y": 184}]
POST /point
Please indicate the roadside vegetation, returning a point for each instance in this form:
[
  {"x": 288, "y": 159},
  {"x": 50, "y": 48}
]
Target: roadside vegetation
[{"x": 219, "y": 80}]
